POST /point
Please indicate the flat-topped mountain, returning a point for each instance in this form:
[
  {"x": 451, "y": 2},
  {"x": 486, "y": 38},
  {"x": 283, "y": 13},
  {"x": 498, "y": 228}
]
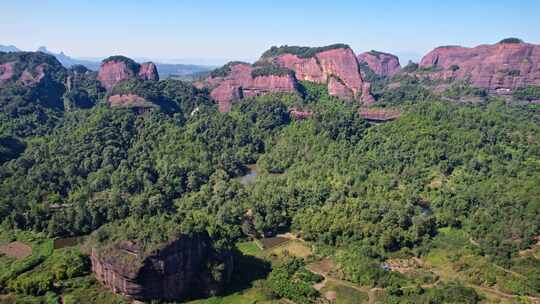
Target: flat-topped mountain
[
  {"x": 500, "y": 67},
  {"x": 382, "y": 64}
]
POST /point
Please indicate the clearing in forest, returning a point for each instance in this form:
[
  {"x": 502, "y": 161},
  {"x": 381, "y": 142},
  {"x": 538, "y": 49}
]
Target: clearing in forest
[
  {"x": 293, "y": 248},
  {"x": 18, "y": 250}
]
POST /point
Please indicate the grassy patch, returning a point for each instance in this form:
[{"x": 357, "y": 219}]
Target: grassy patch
[
  {"x": 345, "y": 294},
  {"x": 250, "y": 296},
  {"x": 249, "y": 248},
  {"x": 292, "y": 248}
]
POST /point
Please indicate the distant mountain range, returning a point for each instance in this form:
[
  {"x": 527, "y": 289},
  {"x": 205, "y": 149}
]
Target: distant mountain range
[{"x": 165, "y": 70}]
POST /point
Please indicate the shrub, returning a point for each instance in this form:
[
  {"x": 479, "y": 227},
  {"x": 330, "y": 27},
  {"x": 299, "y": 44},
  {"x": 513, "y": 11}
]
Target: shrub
[
  {"x": 511, "y": 40},
  {"x": 527, "y": 93},
  {"x": 270, "y": 70},
  {"x": 301, "y": 51},
  {"x": 225, "y": 70},
  {"x": 454, "y": 67}
]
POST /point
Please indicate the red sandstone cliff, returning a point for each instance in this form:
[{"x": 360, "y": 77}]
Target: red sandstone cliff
[
  {"x": 336, "y": 66},
  {"x": 383, "y": 64},
  {"x": 118, "y": 68},
  {"x": 500, "y": 67},
  {"x": 240, "y": 82},
  {"x": 279, "y": 70},
  {"x": 182, "y": 269}
]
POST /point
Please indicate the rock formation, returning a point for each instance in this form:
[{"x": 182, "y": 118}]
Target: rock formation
[
  {"x": 279, "y": 69},
  {"x": 299, "y": 113},
  {"x": 184, "y": 268},
  {"x": 128, "y": 101},
  {"x": 30, "y": 69},
  {"x": 382, "y": 64},
  {"x": 238, "y": 80},
  {"x": 335, "y": 65},
  {"x": 117, "y": 68},
  {"x": 35, "y": 72},
  {"x": 500, "y": 67}
]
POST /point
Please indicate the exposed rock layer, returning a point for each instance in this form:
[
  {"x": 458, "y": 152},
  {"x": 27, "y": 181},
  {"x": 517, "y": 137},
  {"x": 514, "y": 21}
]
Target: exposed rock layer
[
  {"x": 240, "y": 82},
  {"x": 501, "y": 67},
  {"x": 118, "y": 68},
  {"x": 335, "y": 66},
  {"x": 382, "y": 64},
  {"x": 185, "y": 268},
  {"x": 338, "y": 67}
]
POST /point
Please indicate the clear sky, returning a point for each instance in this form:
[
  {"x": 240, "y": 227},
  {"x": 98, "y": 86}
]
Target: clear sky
[{"x": 222, "y": 30}]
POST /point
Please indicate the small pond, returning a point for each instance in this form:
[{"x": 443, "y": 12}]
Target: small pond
[{"x": 252, "y": 173}]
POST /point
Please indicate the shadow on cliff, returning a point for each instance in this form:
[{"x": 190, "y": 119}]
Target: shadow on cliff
[{"x": 247, "y": 269}]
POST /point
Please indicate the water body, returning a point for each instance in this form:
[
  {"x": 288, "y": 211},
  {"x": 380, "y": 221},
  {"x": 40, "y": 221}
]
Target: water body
[{"x": 252, "y": 173}]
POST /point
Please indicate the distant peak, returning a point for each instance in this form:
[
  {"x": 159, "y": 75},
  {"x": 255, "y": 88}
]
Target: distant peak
[{"x": 42, "y": 49}]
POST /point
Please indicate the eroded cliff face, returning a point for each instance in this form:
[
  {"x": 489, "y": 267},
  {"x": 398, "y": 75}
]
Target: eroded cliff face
[
  {"x": 501, "y": 67},
  {"x": 118, "y": 68},
  {"x": 337, "y": 67},
  {"x": 383, "y": 64},
  {"x": 240, "y": 82},
  {"x": 186, "y": 268}
]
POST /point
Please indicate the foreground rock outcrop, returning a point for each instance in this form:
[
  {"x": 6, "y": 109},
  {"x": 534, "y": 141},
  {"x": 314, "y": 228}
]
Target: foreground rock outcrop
[
  {"x": 185, "y": 267},
  {"x": 382, "y": 64},
  {"x": 500, "y": 67},
  {"x": 118, "y": 68}
]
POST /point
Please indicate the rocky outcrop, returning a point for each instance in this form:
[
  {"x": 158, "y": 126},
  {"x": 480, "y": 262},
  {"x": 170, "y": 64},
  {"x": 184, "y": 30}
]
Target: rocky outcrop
[
  {"x": 128, "y": 101},
  {"x": 240, "y": 80},
  {"x": 35, "y": 72},
  {"x": 380, "y": 114},
  {"x": 185, "y": 268},
  {"x": 30, "y": 69},
  {"x": 382, "y": 64},
  {"x": 300, "y": 114},
  {"x": 148, "y": 71},
  {"x": 117, "y": 68},
  {"x": 500, "y": 67},
  {"x": 335, "y": 65},
  {"x": 279, "y": 69}
]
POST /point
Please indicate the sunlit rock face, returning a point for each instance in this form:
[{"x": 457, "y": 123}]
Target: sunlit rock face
[
  {"x": 504, "y": 66},
  {"x": 118, "y": 68},
  {"x": 382, "y": 64},
  {"x": 241, "y": 81}
]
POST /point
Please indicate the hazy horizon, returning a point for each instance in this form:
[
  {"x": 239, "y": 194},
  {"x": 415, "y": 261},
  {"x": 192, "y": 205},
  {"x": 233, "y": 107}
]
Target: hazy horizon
[{"x": 204, "y": 32}]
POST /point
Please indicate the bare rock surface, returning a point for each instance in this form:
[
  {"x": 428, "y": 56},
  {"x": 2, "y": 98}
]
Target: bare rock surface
[{"x": 500, "y": 67}]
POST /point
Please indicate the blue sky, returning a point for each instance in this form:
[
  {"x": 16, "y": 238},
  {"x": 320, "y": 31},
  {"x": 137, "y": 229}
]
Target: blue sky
[{"x": 222, "y": 30}]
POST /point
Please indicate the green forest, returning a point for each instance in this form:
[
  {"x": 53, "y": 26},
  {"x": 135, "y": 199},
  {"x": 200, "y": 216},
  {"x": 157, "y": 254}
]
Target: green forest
[{"x": 452, "y": 183}]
